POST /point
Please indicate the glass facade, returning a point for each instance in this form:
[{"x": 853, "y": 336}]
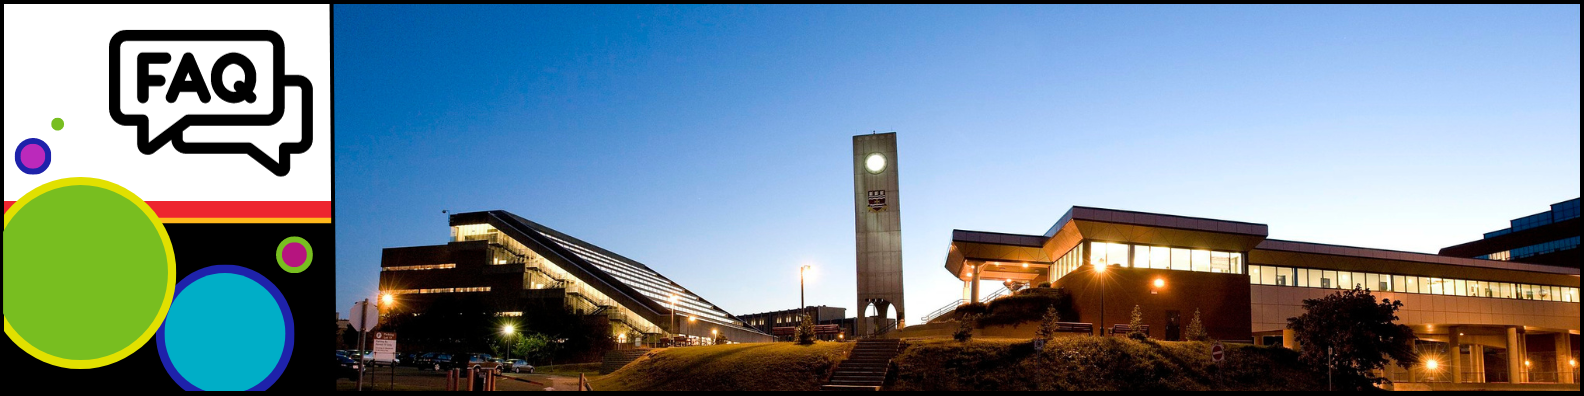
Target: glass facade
[
  {"x": 440, "y": 290},
  {"x": 1160, "y": 257},
  {"x": 1329, "y": 279},
  {"x": 419, "y": 267},
  {"x": 1534, "y": 250},
  {"x": 540, "y": 273},
  {"x": 1067, "y": 263}
]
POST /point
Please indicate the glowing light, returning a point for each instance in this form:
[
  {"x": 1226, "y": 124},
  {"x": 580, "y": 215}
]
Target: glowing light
[
  {"x": 692, "y": 319},
  {"x": 387, "y": 299},
  {"x": 1160, "y": 282},
  {"x": 1573, "y": 362},
  {"x": 1100, "y": 267},
  {"x": 1432, "y": 364},
  {"x": 1025, "y": 265},
  {"x": 508, "y": 329},
  {"x": 876, "y": 163},
  {"x": 1526, "y": 363}
]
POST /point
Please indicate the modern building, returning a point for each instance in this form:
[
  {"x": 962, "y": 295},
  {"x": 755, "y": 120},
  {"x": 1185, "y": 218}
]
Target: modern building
[
  {"x": 511, "y": 264},
  {"x": 1480, "y": 320},
  {"x": 1550, "y": 238},
  {"x": 767, "y": 321}
]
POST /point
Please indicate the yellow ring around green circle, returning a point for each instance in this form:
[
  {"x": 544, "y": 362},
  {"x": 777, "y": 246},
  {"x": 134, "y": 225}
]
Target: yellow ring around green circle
[{"x": 170, "y": 276}]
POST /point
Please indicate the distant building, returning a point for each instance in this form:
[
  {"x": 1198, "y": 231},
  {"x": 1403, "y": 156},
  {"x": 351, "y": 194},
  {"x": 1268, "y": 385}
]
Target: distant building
[
  {"x": 1480, "y": 320},
  {"x": 511, "y": 264},
  {"x": 1550, "y": 238},
  {"x": 767, "y": 321}
]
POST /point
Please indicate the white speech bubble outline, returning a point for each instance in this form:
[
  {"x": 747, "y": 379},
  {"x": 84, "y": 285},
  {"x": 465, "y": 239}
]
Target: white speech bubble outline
[
  {"x": 273, "y": 153},
  {"x": 149, "y": 143},
  {"x": 162, "y": 114}
]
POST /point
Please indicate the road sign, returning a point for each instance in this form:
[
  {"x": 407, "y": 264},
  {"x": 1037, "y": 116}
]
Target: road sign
[
  {"x": 364, "y": 320},
  {"x": 384, "y": 346},
  {"x": 1217, "y": 352}
]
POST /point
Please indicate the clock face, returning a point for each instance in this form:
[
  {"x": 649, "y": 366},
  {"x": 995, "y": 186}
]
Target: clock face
[{"x": 876, "y": 163}]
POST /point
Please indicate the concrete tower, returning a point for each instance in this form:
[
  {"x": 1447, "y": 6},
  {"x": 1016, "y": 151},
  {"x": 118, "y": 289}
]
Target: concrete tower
[{"x": 878, "y": 216}]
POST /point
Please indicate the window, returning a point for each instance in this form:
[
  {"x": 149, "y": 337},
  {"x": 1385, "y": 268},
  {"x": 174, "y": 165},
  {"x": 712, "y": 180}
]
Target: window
[
  {"x": 1314, "y": 279},
  {"x": 1328, "y": 279},
  {"x": 1160, "y": 258},
  {"x": 419, "y": 267},
  {"x": 1141, "y": 256},
  {"x": 1118, "y": 254},
  {"x": 1237, "y": 263},
  {"x": 1254, "y": 274},
  {"x": 1268, "y": 277},
  {"x": 1372, "y": 282},
  {"x": 1179, "y": 260},
  {"x": 1220, "y": 262},
  {"x": 1413, "y": 283},
  {"x": 1397, "y": 284},
  {"x": 1461, "y": 286},
  {"x": 1201, "y": 261},
  {"x": 1303, "y": 277},
  {"x": 1346, "y": 280},
  {"x": 1435, "y": 285}
]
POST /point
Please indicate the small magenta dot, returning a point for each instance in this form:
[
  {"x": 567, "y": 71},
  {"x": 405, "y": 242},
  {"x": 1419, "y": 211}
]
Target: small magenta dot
[
  {"x": 32, "y": 156},
  {"x": 294, "y": 255}
]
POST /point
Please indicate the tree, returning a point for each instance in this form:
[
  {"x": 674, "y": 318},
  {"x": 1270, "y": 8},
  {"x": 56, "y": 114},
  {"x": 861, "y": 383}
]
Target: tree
[
  {"x": 1047, "y": 326},
  {"x": 805, "y": 330},
  {"x": 965, "y": 328},
  {"x": 1196, "y": 330},
  {"x": 530, "y": 345},
  {"x": 349, "y": 337},
  {"x": 1136, "y": 325},
  {"x": 1353, "y": 335},
  {"x": 721, "y": 340}
]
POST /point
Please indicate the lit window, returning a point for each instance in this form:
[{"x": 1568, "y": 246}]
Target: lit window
[{"x": 419, "y": 267}]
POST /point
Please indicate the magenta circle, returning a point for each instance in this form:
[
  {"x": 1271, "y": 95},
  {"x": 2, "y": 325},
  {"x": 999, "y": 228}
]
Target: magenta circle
[
  {"x": 294, "y": 254},
  {"x": 32, "y": 156}
]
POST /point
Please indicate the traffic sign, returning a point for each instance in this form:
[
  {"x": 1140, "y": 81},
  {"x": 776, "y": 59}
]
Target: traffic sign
[
  {"x": 364, "y": 320},
  {"x": 384, "y": 346},
  {"x": 1217, "y": 352}
]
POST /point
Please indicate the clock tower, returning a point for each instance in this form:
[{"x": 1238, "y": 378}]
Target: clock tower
[{"x": 878, "y": 215}]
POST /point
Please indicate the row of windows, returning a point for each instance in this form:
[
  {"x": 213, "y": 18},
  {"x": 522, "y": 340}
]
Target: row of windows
[
  {"x": 647, "y": 282},
  {"x": 1328, "y": 279},
  {"x": 420, "y": 267},
  {"x": 1534, "y": 250},
  {"x": 1067, "y": 263},
  {"x": 1158, "y": 257},
  {"x": 440, "y": 290}
]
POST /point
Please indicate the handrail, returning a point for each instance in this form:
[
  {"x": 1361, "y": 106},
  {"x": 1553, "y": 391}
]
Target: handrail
[
  {"x": 942, "y": 311},
  {"x": 1003, "y": 292},
  {"x": 882, "y": 330}
]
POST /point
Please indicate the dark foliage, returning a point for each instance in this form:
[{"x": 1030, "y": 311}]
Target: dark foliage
[{"x": 1355, "y": 335}]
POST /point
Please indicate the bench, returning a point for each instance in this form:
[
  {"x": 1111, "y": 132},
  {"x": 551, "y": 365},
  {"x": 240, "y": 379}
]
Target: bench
[
  {"x": 1124, "y": 329},
  {"x": 1075, "y": 327}
]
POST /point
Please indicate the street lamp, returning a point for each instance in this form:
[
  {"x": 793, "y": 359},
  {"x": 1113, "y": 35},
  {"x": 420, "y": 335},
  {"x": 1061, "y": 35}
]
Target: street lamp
[
  {"x": 715, "y": 336},
  {"x": 508, "y": 331},
  {"x": 387, "y": 299},
  {"x": 673, "y": 313},
  {"x": 1100, "y": 270},
  {"x": 802, "y": 305},
  {"x": 1159, "y": 283}
]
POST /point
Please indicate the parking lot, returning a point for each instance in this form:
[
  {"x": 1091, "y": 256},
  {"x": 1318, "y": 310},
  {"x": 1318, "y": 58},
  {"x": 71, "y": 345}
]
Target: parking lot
[{"x": 412, "y": 379}]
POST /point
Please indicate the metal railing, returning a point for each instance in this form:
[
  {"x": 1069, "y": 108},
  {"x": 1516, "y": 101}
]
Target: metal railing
[
  {"x": 942, "y": 311},
  {"x": 882, "y": 330},
  {"x": 1003, "y": 292}
]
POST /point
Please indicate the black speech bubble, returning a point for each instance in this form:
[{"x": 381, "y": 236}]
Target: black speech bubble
[{"x": 173, "y": 134}]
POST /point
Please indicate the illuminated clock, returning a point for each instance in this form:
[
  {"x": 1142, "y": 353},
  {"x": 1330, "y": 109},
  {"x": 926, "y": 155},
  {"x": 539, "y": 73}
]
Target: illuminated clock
[{"x": 876, "y": 163}]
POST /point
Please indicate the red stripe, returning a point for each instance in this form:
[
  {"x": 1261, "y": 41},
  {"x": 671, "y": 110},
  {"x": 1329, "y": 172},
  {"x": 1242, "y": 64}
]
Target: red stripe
[{"x": 236, "y": 209}]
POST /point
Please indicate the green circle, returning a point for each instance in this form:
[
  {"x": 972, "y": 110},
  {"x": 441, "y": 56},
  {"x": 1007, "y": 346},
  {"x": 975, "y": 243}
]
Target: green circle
[
  {"x": 282, "y": 261},
  {"x": 88, "y": 273},
  {"x": 58, "y": 124}
]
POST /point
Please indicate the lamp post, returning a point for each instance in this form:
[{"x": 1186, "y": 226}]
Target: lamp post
[
  {"x": 506, "y": 332},
  {"x": 802, "y": 305},
  {"x": 1100, "y": 270},
  {"x": 673, "y": 315}
]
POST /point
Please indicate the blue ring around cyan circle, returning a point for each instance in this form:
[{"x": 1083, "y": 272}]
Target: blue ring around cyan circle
[
  {"x": 18, "y": 156},
  {"x": 280, "y": 300}
]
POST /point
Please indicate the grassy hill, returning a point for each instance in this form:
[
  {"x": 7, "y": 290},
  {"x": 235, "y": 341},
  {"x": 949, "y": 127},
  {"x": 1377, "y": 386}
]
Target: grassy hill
[
  {"x": 1096, "y": 363},
  {"x": 769, "y": 366}
]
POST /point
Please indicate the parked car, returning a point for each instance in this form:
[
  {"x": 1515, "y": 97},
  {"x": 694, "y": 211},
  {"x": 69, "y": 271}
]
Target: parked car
[
  {"x": 435, "y": 361},
  {"x": 518, "y": 366},
  {"x": 346, "y": 367},
  {"x": 470, "y": 360}
]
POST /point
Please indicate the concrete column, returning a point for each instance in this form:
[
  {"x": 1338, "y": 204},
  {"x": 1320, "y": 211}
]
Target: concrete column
[
  {"x": 1289, "y": 339},
  {"x": 1456, "y": 363},
  {"x": 1514, "y": 356},
  {"x": 1477, "y": 360},
  {"x": 976, "y": 271},
  {"x": 1563, "y": 353},
  {"x": 967, "y": 290}
]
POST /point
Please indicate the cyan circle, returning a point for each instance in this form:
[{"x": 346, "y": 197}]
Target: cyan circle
[{"x": 229, "y": 328}]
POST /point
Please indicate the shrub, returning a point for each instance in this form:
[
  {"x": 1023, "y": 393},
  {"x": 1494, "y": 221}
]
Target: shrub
[
  {"x": 1136, "y": 325},
  {"x": 1047, "y": 327},
  {"x": 1028, "y": 305},
  {"x": 978, "y": 308},
  {"x": 1196, "y": 330},
  {"x": 805, "y": 330},
  {"x": 965, "y": 328},
  {"x": 1043, "y": 285}
]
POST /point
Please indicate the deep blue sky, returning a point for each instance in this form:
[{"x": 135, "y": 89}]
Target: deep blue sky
[{"x": 714, "y": 143}]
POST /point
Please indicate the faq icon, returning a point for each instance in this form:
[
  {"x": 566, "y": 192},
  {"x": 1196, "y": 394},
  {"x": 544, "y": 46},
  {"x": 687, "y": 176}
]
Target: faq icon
[{"x": 166, "y": 81}]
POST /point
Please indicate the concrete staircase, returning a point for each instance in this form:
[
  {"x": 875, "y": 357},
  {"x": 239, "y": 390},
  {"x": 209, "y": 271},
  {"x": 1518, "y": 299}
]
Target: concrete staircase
[
  {"x": 865, "y": 368},
  {"x": 615, "y": 360}
]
